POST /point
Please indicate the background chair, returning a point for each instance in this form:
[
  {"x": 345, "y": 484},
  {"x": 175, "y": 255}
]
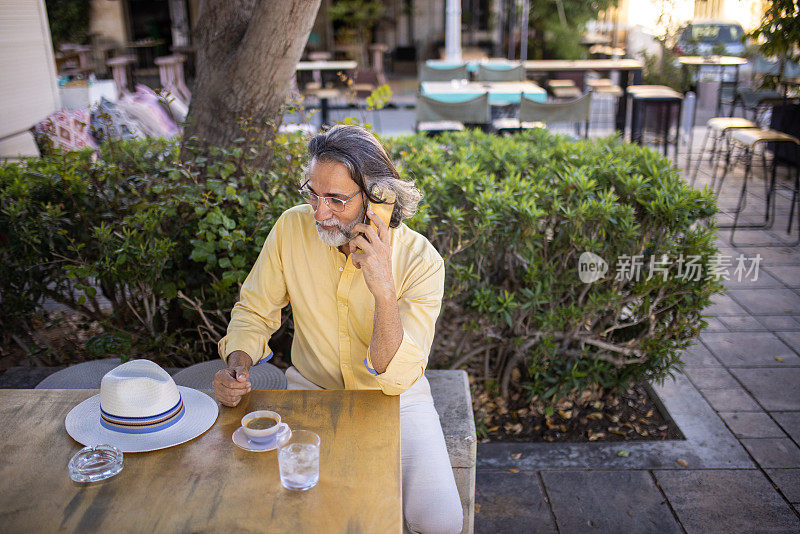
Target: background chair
[
  {"x": 532, "y": 113},
  {"x": 749, "y": 141},
  {"x": 753, "y": 100},
  {"x": 718, "y": 130},
  {"x": 364, "y": 83},
  {"x": 501, "y": 73},
  {"x": 434, "y": 116},
  {"x": 445, "y": 74}
]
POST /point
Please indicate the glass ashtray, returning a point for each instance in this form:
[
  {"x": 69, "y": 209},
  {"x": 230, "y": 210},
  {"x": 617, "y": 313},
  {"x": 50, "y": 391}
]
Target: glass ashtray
[{"x": 91, "y": 464}]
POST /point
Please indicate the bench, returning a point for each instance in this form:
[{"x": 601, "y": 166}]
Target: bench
[{"x": 451, "y": 396}]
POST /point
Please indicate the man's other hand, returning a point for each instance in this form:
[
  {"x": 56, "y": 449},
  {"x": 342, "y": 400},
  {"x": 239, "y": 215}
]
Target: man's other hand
[{"x": 231, "y": 384}]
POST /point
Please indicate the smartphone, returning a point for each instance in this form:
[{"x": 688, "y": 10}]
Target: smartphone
[{"x": 383, "y": 209}]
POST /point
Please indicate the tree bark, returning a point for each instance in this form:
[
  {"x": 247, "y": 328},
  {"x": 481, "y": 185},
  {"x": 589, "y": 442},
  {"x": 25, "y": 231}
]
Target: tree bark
[{"x": 247, "y": 53}]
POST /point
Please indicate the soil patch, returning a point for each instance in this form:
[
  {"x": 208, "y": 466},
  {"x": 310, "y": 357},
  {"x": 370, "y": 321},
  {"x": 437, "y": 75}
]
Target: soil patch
[{"x": 631, "y": 415}]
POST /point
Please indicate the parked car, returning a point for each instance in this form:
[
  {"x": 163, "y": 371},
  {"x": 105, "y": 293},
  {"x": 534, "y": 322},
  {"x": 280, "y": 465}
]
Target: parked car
[{"x": 705, "y": 38}]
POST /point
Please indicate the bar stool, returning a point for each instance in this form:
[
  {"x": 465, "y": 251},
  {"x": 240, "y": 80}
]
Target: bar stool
[
  {"x": 748, "y": 140},
  {"x": 667, "y": 104},
  {"x": 170, "y": 70},
  {"x": 718, "y": 128},
  {"x": 563, "y": 89},
  {"x": 120, "y": 67}
]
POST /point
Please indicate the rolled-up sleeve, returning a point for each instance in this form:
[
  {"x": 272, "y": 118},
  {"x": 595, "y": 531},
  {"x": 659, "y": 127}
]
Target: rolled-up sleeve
[
  {"x": 420, "y": 305},
  {"x": 257, "y": 314}
]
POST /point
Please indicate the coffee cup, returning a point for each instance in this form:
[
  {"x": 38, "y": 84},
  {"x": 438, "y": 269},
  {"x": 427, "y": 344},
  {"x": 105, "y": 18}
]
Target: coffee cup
[{"x": 262, "y": 426}]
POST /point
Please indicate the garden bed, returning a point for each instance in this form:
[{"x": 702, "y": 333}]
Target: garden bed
[{"x": 632, "y": 415}]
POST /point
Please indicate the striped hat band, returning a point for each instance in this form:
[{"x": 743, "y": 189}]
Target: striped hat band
[{"x": 143, "y": 425}]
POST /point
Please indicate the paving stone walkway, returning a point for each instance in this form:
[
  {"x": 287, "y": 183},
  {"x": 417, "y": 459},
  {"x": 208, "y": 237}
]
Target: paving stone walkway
[{"x": 743, "y": 380}]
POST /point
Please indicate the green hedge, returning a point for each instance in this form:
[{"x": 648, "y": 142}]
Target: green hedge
[{"x": 167, "y": 243}]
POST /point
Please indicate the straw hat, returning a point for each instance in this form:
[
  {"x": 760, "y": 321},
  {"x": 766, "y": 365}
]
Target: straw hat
[{"x": 140, "y": 409}]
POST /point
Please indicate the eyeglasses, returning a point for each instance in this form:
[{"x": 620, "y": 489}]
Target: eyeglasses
[{"x": 336, "y": 205}]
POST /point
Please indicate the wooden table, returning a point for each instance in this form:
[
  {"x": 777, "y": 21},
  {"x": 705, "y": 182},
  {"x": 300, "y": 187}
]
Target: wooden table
[
  {"x": 207, "y": 484},
  {"x": 500, "y": 93}
]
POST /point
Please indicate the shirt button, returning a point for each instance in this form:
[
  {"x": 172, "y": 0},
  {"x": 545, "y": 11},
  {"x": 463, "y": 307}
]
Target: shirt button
[
  {"x": 342, "y": 305},
  {"x": 341, "y": 269},
  {"x": 345, "y": 366},
  {"x": 344, "y": 336}
]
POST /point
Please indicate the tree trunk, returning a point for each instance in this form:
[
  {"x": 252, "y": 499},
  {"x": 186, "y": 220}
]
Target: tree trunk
[{"x": 247, "y": 53}]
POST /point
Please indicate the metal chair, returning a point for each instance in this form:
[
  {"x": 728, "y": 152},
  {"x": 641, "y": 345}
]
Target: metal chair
[
  {"x": 718, "y": 129},
  {"x": 434, "y": 116},
  {"x": 748, "y": 141},
  {"x": 445, "y": 74},
  {"x": 533, "y": 114},
  {"x": 501, "y": 73},
  {"x": 757, "y": 100}
]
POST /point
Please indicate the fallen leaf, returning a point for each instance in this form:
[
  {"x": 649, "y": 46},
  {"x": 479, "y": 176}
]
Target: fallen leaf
[
  {"x": 565, "y": 414},
  {"x": 477, "y": 507},
  {"x": 779, "y": 358},
  {"x": 682, "y": 462},
  {"x": 512, "y": 470},
  {"x": 597, "y": 405},
  {"x": 516, "y": 456},
  {"x": 595, "y": 415},
  {"x": 624, "y": 453},
  {"x": 493, "y": 429},
  {"x": 649, "y": 414}
]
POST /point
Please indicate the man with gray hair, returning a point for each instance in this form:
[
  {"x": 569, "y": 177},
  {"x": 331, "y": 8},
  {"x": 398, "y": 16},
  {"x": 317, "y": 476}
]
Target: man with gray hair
[{"x": 364, "y": 303}]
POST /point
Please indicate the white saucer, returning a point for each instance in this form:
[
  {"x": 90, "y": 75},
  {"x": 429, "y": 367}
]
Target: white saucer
[{"x": 241, "y": 440}]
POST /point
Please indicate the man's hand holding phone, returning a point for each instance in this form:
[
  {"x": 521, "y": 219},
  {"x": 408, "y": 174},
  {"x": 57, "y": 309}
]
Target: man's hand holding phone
[{"x": 374, "y": 256}]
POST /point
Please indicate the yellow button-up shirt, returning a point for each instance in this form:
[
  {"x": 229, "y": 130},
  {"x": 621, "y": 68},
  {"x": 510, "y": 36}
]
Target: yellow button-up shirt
[{"x": 332, "y": 307}]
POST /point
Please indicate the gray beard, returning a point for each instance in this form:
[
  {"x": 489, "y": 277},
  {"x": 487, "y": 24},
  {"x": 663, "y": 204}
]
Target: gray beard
[{"x": 341, "y": 235}]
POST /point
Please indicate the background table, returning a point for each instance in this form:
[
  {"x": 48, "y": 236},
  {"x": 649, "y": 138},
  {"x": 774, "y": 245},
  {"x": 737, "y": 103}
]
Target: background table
[
  {"x": 500, "y": 93},
  {"x": 719, "y": 64},
  {"x": 625, "y": 67},
  {"x": 472, "y": 65},
  {"x": 326, "y": 65},
  {"x": 207, "y": 484}
]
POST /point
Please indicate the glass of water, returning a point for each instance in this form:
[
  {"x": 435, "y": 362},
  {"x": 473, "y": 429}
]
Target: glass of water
[{"x": 298, "y": 460}]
